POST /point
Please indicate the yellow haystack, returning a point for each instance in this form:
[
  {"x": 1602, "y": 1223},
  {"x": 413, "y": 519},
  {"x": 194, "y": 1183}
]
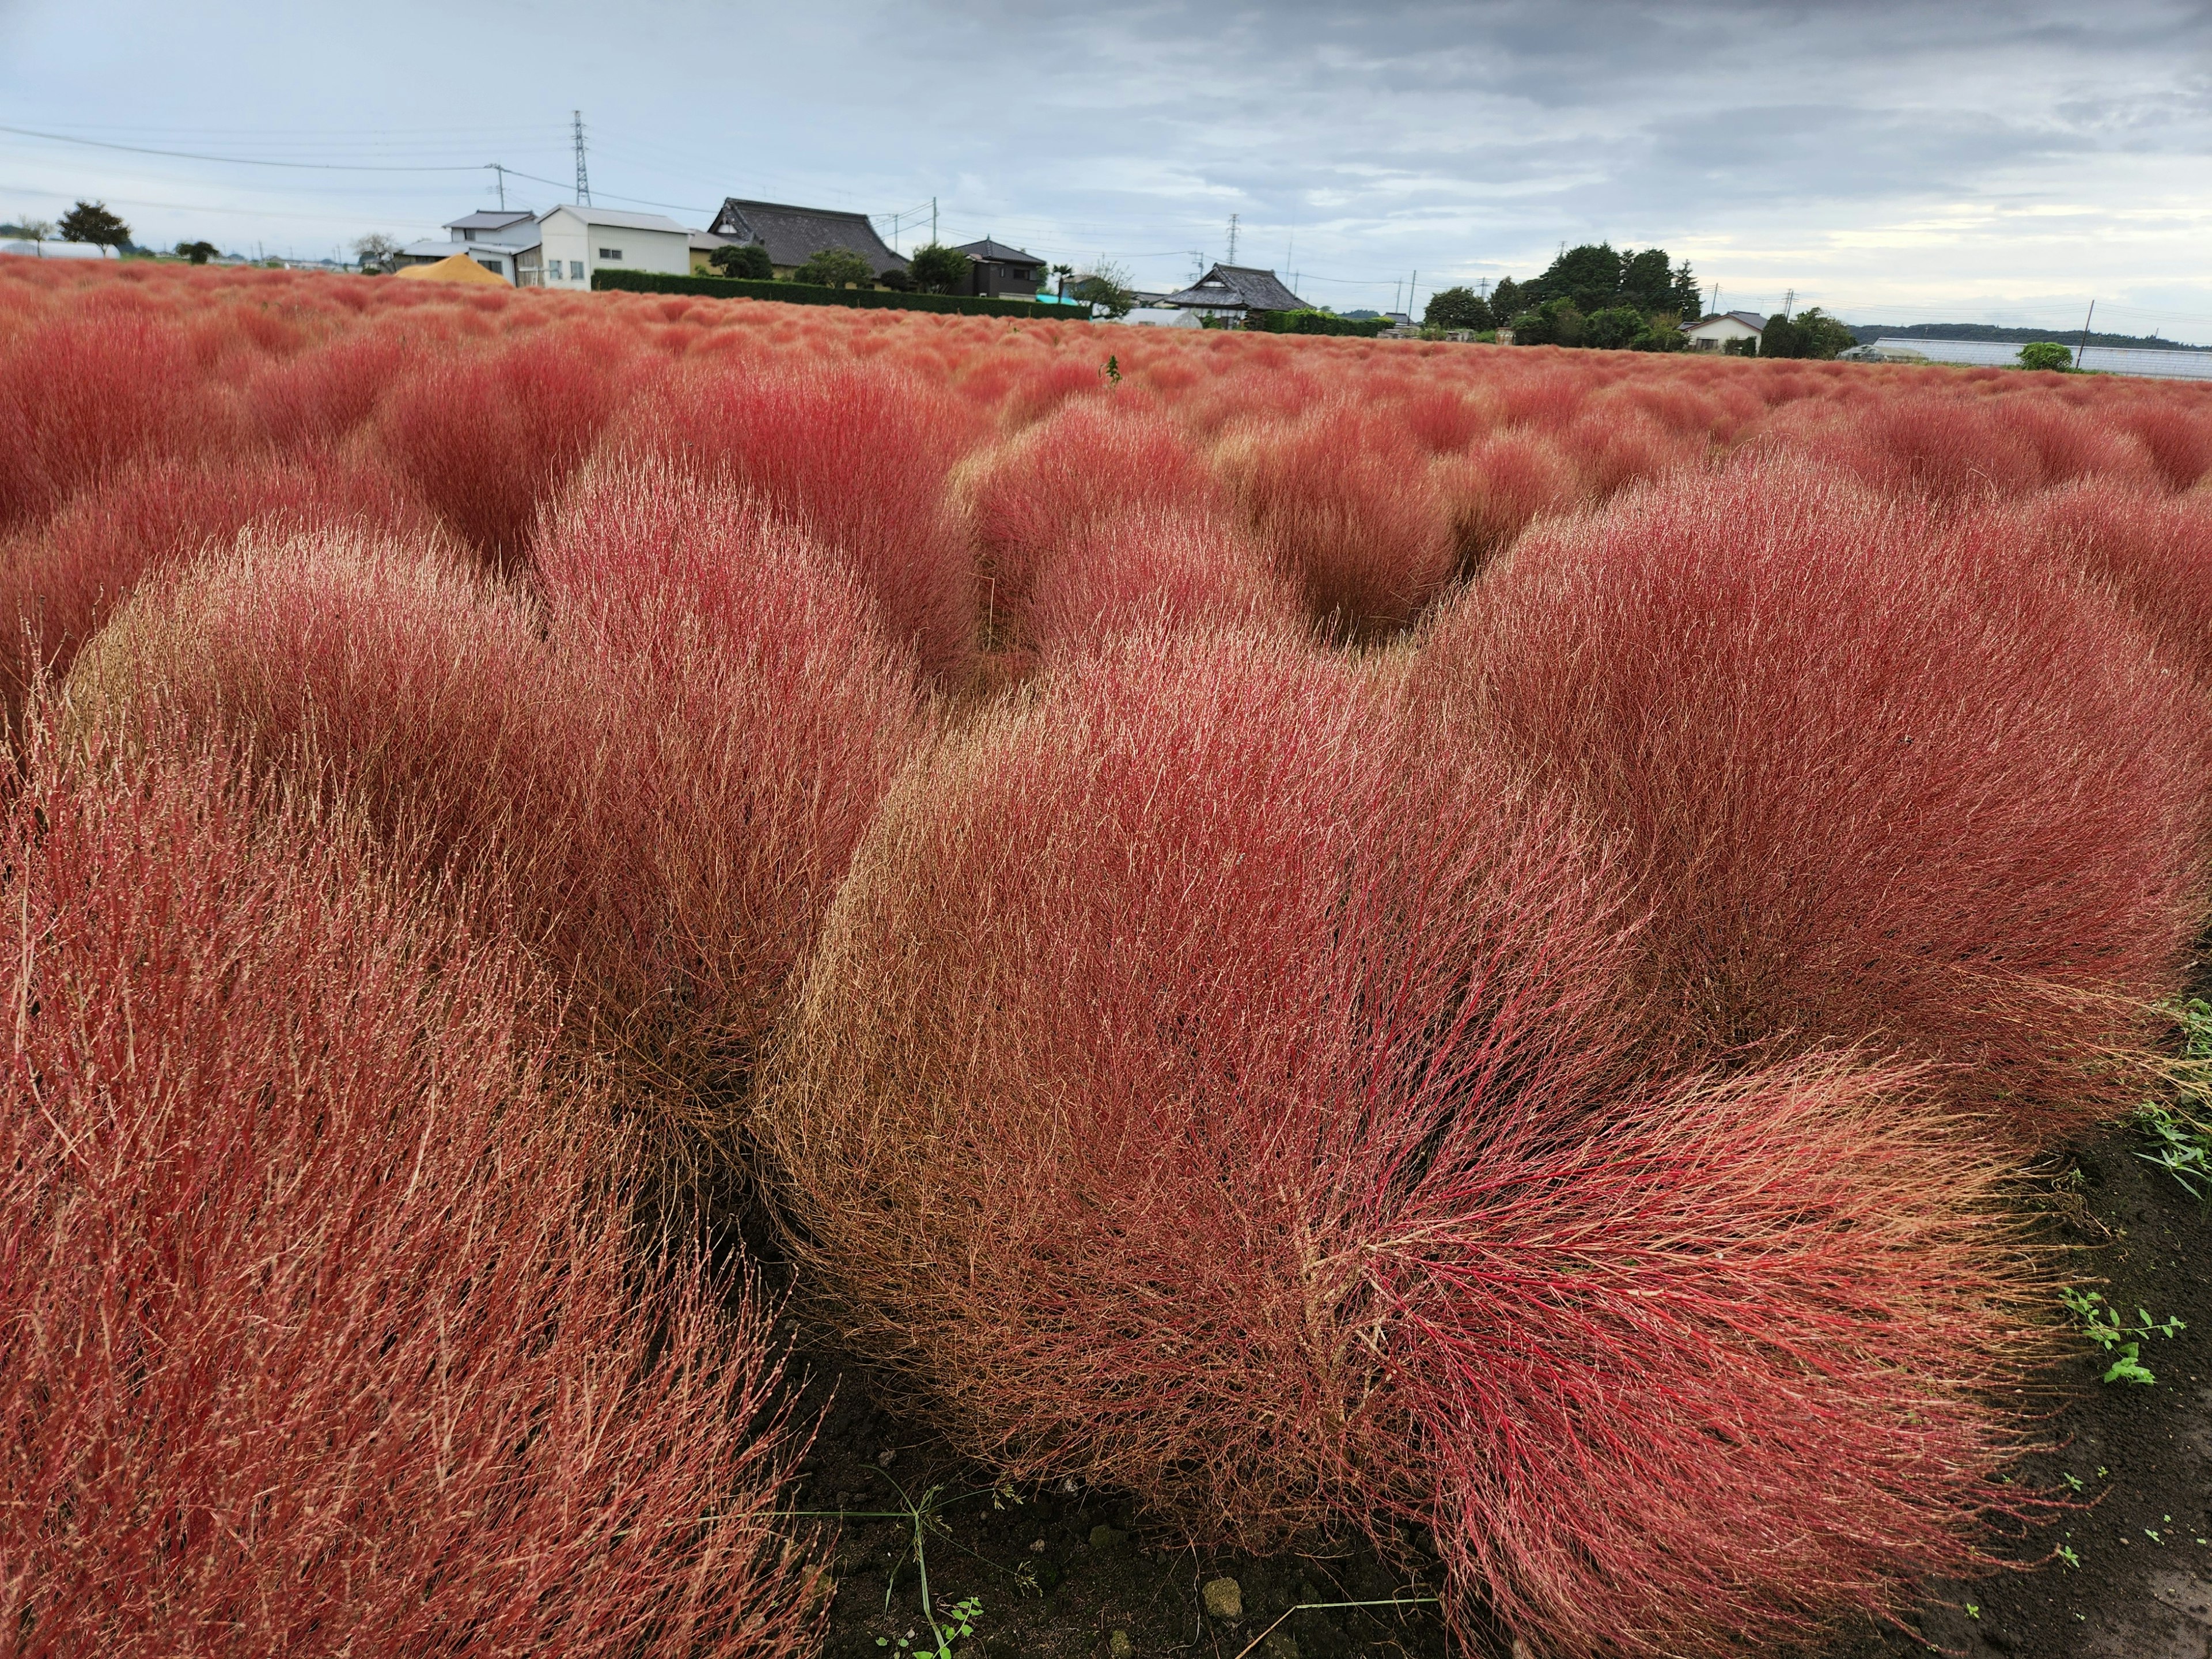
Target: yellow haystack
[{"x": 455, "y": 268}]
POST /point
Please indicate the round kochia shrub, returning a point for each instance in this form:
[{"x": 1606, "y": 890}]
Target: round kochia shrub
[
  {"x": 2154, "y": 551},
  {"x": 321, "y": 1333},
  {"x": 1876, "y": 781},
  {"x": 1191, "y": 1094},
  {"x": 667, "y": 771},
  {"x": 59, "y": 579},
  {"x": 859, "y": 455},
  {"x": 1344, "y": 501}
]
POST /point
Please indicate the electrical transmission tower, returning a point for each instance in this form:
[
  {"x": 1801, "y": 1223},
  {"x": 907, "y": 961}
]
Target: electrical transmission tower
[
  {"x": 1232, "y": 241},
  {"x": 583, "y": 178}
]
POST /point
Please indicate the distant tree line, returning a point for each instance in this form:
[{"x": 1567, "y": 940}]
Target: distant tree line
[{"x": 1593, "y": 295}]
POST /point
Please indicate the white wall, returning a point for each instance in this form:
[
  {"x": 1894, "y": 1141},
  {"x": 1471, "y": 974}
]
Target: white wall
[
  {"x": 570, "y": 237},
  {"x": 1709, "y": 336}
]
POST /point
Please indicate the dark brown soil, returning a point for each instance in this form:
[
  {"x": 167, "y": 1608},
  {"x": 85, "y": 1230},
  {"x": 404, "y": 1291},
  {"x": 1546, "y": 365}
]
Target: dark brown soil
[
  {"x": 2143, "y": 1588},
  {"x": 1059, "y": 1572}
]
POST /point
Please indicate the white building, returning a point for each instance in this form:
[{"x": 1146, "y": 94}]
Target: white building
[
  {"x": 495, "y": 238},
  {"x": 1712, "y": 334},
  {"x": 561, "y": 248},
  {"x": 575, "y": 241}
]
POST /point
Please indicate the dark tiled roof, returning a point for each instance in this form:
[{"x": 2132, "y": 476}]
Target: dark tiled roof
[
  {"x": 489, "y": 219},
  {"x": 998, "y": 252},
  {"x": 793, "y": 235},
  {"x": 1239, "y": 285}
]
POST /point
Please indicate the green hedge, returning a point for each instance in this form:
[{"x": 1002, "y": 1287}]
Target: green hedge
[
  {"x": 1312, "y": 322},
  {"x": 806, "y": 294}
]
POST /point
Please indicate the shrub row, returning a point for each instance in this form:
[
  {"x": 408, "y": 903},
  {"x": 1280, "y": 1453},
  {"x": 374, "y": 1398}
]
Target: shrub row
[{"x": 809, "y": 294}]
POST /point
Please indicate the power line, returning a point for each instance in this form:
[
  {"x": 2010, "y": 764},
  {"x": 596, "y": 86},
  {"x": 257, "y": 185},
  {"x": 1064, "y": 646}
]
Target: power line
[{"x": 241, "y": 161}]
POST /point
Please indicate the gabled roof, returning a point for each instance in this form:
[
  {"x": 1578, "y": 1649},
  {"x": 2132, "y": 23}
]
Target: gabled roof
[
  {"x": 1750, "y": 319},
  {"x": 793, "y": 235},
  {"x": 998, "y": 252},
  {"x": 1245, "y": 286},
  {"x": 490, "y": 219},
  {"x": 613, "y": 219}
]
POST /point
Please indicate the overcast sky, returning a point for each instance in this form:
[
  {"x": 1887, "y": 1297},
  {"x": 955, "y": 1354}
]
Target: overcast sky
[{"x": 1936, "y": 160}]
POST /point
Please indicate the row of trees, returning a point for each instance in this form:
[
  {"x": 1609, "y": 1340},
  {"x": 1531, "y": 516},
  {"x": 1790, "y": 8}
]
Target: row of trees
[
  {"x": 1632, "y": 300},
  {"x": 1592, "y": 295}
]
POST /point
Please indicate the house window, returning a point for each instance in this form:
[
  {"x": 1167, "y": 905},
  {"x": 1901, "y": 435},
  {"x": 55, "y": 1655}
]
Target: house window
[
  {"x": 576, "y": 269},
  {"x": 610, "y": 253}
]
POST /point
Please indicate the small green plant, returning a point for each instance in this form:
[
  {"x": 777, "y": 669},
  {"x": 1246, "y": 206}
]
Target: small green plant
[
  {"x": 2179, "y": 1128},
  {"x": 2103, "y": 1327},
  {"x": 1113, "y": 369},
  {"x": 960, "y": 1619},
  {"x": 947, "y": 1623},
  {"x": 2046, "y": 354},
  {"x": 2065, "y": 1552}
]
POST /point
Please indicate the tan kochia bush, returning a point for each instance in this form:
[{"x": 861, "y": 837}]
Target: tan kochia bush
[{"x": 1193, "y": 1093}]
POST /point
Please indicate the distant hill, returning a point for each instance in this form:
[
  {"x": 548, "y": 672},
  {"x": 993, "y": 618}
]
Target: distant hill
[{"x": 1868, "y": 333}]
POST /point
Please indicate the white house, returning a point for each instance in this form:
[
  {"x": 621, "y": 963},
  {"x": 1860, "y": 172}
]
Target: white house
[
  {"x": 574, "y": 241},
  {"x": 1712, "y": 334},
  {"x": 495, "y": 238}
]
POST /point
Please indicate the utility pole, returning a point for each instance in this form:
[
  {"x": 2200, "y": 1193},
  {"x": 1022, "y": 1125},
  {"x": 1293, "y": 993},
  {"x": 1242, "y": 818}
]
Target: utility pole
[
  {"x": 1412, "y": 292},
  {"x": 932, "y": 222},
  {"x": 1789, "y": 303},
  {"x": 2085, "y": 334},
  {"x": 501, "y": 173},
  {"x": 1232, "y": 241},
  {"x": 583, "y": 178}
]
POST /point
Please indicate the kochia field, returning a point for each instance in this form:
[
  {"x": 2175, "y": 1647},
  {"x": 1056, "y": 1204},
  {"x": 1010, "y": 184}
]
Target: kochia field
[{"x": 1335, "y": 937}]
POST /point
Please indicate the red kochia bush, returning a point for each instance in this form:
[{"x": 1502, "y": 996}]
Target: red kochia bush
[
  {"x": 83, "y": 393},
  {"x": 1071, "y": 477},
  {"x": 1344, "y": 502},
  {"x": 318, "y": 1333},
  {"x": 859, "y": 456},
  {"x": 763, "y": 714},
  {"x": 669, "y": 783},
  {"x": 1879, "y": 782},
  {"x": 1498, "y": 486},
  {"x": 1259, "y": 1120},
  {"x": 1153, "y": 568},
  {"x": 2154, "y": 551},
  {"x": 488, "y": 436}
]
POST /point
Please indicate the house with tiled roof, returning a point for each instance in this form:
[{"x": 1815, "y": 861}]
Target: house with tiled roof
[
  {"x": 1235, "y": 291},
  {"x": 793, "y": 235},
  {"x": 997, "y": 268}
]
